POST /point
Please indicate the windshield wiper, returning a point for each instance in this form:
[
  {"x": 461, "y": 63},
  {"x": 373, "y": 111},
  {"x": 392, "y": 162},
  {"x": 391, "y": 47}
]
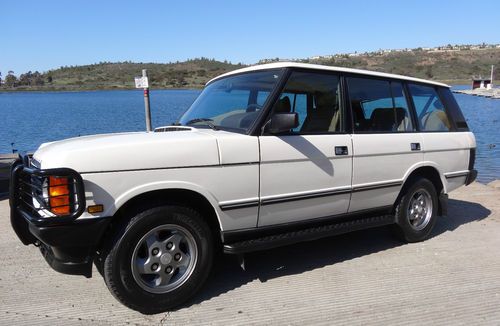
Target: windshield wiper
[{"x": 207, "y": 121}]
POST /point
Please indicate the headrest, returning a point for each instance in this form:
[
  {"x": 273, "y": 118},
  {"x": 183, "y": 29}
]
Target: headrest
[
  {"x": 283, "y": 105},
  {"x": 325, "y": 100},
  {"x": 383, "y": 119}
]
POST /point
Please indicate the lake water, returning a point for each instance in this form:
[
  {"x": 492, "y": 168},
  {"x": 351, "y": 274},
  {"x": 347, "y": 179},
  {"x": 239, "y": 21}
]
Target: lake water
[{"x": 31, "y": 118}]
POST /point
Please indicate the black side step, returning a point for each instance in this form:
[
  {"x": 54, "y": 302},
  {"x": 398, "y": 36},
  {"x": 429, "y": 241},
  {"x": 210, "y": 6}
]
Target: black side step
[{"x": 307, "y": 234}]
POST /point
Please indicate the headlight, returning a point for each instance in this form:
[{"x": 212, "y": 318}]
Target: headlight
[{"x": 59, "y": 201}]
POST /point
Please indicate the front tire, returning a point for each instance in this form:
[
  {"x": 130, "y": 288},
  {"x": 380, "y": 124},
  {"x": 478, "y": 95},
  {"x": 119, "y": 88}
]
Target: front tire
[
  {"x": 416, "y": 211},
  {"x": 159, "y": 259}
]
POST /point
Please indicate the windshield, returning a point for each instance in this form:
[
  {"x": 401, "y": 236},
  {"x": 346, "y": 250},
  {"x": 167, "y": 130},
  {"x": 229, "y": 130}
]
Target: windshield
[{"x": 233, "y": 102}]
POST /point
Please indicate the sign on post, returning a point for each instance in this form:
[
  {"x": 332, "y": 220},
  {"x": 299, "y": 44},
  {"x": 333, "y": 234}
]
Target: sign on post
[{"x": 141, "y": 82}]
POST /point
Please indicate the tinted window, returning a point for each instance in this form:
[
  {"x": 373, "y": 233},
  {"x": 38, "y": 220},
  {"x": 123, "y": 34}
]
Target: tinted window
[
  {"x": 378, "y": 105},
  {"x": 315, "y": 97},
  {"x": 298, "y": 103},
  {"x": 430, "y": 111},
  {"x": 453, "y": 109},
  {"x": 401, "y": 105}
]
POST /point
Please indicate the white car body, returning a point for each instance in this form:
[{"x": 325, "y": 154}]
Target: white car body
[
  {"x": 244, "y": 169},
  {"x": 232, "y": 170}
]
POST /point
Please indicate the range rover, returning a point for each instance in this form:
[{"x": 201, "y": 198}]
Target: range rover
[{"x": 266, "y": 156}]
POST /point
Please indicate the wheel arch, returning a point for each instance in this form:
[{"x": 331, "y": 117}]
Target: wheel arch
[
  {"x": 431, "y": 172},
  {"x": 129, "y": 206}
]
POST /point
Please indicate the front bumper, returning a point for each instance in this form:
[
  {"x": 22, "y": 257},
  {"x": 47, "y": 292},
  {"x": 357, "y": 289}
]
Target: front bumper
[
  {"x": 68, "y": 249},
  {"x": 68, "y": 244}
]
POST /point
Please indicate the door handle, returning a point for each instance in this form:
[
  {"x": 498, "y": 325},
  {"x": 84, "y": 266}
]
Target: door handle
[
  {"x": 341, "y": 150},
  {"x": 415, "y": 146}
]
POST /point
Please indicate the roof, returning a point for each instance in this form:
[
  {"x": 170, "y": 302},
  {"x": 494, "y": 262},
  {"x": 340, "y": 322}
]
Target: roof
[{"x": 277, "y": 65}]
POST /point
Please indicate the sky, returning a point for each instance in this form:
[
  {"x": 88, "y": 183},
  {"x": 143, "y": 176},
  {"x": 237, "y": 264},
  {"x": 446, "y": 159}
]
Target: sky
[{"x": 43, "y": 35}]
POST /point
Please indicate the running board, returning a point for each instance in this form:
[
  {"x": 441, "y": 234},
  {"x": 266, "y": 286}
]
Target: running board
[{"x": 307, "y": 234}]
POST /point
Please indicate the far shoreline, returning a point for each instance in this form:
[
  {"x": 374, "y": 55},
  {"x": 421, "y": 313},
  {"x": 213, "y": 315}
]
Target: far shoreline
[
  {"x": 75, "y": 90},
  {"x": 41, "y": 89}
]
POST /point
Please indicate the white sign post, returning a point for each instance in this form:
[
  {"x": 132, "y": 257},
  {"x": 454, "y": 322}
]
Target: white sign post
[{"x": 142, "y": 82}]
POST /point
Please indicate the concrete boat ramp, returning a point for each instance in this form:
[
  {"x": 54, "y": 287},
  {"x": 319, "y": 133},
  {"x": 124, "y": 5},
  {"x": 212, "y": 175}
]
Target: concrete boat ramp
[
  {"x": 493, "y": 93},
  {"x": 361, "y": 278}
]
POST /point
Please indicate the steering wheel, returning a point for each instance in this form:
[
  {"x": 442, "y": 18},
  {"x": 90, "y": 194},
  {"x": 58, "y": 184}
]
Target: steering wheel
[{"x": 253, "y": 107}]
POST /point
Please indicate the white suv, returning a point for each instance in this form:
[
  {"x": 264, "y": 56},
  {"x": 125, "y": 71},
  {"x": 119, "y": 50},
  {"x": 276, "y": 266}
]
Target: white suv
[{"x": 266, "y": 156}]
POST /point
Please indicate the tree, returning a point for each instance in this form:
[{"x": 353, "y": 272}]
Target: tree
[
  {"x": 37, "y": 79},
  {"x": 25, "y": 79},
  {"x": 11, "y": 80}
]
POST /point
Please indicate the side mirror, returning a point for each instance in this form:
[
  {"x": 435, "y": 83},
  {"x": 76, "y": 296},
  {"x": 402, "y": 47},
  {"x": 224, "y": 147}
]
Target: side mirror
[{"x": 282, "y": 122}]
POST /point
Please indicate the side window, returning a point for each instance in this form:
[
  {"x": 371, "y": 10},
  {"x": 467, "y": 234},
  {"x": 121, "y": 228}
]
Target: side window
[
  {"x": 401, "y": 107},
  {"x": 452, "y": 108},
  {"x": 315, "y": 97},
  {"x": 378, "y": 105},
  {"x": 430, "y": 110},
  {"x": 298, "y": 103}
]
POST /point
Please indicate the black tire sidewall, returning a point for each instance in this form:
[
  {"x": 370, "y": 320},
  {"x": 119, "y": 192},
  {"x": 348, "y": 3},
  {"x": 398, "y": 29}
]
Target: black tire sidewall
[
  {"x": 118, "y": 270},
  {"x": 408, "y": 232}
]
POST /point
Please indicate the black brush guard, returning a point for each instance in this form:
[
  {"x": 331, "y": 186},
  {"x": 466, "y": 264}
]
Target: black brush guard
[{"x": 67, "y": 243}]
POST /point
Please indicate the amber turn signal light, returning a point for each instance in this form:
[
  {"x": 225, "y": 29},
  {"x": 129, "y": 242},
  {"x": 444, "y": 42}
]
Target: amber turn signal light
[
  {"x": 95, "y": 209},
  {"x": 59, "y": 195}
]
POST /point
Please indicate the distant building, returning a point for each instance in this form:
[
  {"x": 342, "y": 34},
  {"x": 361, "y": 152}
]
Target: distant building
[{"x": 480, "y": 83}]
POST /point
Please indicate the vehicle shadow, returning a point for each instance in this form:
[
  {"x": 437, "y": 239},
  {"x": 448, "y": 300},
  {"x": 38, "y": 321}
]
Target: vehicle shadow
[{"x": 227, "y": 275}]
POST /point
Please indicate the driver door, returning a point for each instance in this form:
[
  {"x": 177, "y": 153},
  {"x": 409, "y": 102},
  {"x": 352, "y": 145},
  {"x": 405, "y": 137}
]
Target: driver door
[{"x": 306, "y": 173}]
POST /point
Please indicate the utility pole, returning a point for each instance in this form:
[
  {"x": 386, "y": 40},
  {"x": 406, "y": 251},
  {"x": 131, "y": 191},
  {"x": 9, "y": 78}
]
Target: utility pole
[
  {"x": 142, "y": 82},
  {"x": 492, "y": 69}
]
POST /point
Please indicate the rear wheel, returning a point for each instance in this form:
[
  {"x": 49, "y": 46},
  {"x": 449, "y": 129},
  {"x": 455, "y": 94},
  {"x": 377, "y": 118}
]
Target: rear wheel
[
  {"x": 160, "y": 259},
  {"x": 416, "y": 211}
]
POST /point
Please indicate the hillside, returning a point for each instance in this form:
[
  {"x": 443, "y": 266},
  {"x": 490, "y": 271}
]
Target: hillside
[
  {"x": 189, "y": 74},
  {"x": 452, "y": 66}
]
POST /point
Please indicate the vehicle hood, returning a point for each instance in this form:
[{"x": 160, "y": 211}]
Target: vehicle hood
[{"x": 130, "y": 151}]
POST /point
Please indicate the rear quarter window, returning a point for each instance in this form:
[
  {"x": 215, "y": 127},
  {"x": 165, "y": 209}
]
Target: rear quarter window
[
  {"x": 430, "y": 110},
  {"x": 453, "y": 109}
]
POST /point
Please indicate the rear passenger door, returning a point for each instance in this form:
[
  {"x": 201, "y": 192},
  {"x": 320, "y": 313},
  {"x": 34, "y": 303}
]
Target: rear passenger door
[
  {"x": 386, "y": 144},
  {"x": 444, "y": 143},
  {"x": 306, "y": 172}
]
